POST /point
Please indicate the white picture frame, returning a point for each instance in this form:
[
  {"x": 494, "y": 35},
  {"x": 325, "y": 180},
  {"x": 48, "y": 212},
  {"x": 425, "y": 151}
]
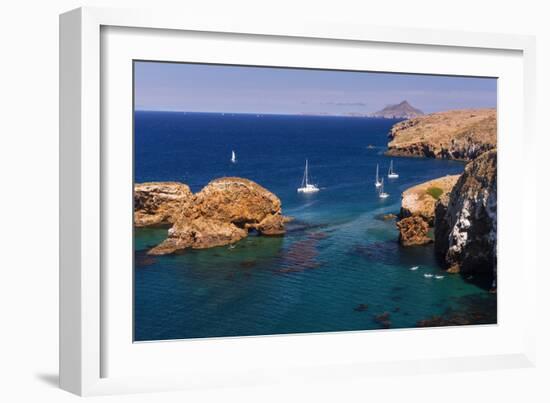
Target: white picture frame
[{"x": 87, "y": 343}]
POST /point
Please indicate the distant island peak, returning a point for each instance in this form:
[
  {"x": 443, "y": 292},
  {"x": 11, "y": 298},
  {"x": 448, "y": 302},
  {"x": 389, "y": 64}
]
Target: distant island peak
[{"x": 402, "y": 110}]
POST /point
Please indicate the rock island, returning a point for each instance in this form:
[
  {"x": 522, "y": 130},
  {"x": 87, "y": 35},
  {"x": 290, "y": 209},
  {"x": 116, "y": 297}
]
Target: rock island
[{"x": 222, "y": 213}]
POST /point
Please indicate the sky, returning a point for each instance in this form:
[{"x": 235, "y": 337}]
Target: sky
[{"x": 162, "y": 86}]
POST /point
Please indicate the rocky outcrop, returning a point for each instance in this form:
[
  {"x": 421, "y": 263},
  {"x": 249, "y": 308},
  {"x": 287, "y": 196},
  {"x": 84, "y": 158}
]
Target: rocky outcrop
[
  {"x": 420, "y": 200},
  {"x": 222, "y": 213},
  {"x": 413, "y": 231},
  {"x": 402, "y": 110},
  {"x": 466, "y": 220},
  {"x": 459, "y": 135},
  {"x": 159, "y": 203},
  {"x": 418, "y": 210}
]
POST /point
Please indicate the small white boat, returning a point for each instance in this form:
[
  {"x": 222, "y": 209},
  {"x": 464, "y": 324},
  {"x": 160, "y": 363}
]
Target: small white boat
[
  {"x": 307, "y": 187},
  {"x": 381, "y": 193},
  {"x": 377, "y": 182},
  {"x": 428, "y": 275},
  {"x": 439, "y": 277},
  {"x": 414, "y": 268},
  {"x": 391, "y": 173},
  {"x": 233, "y": 157}
]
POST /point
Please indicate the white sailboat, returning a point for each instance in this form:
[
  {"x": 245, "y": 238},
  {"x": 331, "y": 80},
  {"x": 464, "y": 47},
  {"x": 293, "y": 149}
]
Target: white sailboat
[
  {"x": 377, "y": 183},
  {"x": 391, "y": 173},
  {"x": 381, "y": 193},
  {"x": 233, "y": 157},
  {"x": 307, "y": 187}
]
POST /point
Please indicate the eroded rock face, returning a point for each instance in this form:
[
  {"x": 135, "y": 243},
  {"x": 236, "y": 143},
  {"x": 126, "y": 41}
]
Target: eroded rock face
[
  {"x": 241, "y": 202},
  {"x": 222, "y": 213},
  {"x": 466, "y": 219},
  {"x": 459, "y": 134},
  {"x": 159, "y": 203},
  {"x": 413, "y": 231},
  {"x": 199, "y": 233}
]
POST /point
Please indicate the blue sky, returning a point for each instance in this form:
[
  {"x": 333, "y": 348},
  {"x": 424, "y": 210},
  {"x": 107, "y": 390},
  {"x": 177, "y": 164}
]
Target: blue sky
[{"x": 241, "y": 89}]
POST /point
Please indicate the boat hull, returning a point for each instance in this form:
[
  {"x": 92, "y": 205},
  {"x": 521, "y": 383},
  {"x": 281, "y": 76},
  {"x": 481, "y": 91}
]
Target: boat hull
[{"x": 308, "y": 190}]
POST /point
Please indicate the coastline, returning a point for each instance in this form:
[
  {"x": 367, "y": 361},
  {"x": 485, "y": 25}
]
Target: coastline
[
  {"x": 461, "y": 134},
  {"x": 336, "y": 239}
]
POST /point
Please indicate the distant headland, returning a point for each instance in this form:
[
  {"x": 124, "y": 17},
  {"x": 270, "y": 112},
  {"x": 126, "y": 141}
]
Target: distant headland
[{"x": 458, "y": 134}]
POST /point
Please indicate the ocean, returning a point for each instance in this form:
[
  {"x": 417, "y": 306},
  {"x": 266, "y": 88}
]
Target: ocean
[{"x": 338, "y": 267}]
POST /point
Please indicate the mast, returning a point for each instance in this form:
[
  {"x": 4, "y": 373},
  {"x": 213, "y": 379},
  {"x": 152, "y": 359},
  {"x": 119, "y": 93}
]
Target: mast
[
  {"x": 306, "y": 175},
  {"x": 376, "y": 173},
  {"x": 304, "y": 178}
]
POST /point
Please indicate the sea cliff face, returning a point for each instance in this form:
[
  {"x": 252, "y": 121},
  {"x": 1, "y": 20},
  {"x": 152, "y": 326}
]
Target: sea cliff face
[
  {"x": 459, "y": 135},
  {"x": 222, "y": 213},
  {"x": 462, "y": 209},
  {"x": 466, "y": 220},
  {"x": 418, "y": 209}
]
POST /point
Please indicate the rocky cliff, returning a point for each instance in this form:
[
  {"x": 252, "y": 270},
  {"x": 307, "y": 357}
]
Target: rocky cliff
[
  {"x": 466, "y": 220},
  {"x": 222, "y": 213},
  {"x": 418, "y": 209},
  {"x": 402, "y": 110},
  {"x": 459, "y": 134}
]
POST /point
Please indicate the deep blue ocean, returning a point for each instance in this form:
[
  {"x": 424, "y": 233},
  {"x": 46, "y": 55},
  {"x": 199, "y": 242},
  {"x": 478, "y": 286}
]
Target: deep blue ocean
[{"x": 338, "y": 253}]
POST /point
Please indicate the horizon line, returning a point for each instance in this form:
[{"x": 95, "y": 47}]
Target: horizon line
[
  {"x": 320, "y": 114},
  {"x": 345, "y": 115}
]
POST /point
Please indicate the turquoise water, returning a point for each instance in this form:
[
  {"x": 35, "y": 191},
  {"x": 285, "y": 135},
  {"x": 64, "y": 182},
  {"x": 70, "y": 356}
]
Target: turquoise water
[{"x": 337, "y": 254}]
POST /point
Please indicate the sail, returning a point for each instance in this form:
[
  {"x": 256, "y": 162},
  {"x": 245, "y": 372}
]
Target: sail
[
  {"x": 305, "y": 179},
  {"x": 233, "y": 156},
  {"x": 307, "y": 187},
  {"x": 391, "y": 172}
]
